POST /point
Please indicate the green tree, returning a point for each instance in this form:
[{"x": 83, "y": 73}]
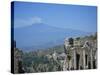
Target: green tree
[
  {"x": 71, "y": 41},
  {"x": 78, "y": 38}
]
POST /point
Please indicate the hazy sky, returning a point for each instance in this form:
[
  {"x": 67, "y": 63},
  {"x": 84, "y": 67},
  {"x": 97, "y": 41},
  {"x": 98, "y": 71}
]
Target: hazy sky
[{"x": 64, "y": 16}]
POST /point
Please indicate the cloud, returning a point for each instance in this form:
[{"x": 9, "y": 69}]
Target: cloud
[
  {"x": 27, "y": 22},
  {"x": 36, "y": 20}
]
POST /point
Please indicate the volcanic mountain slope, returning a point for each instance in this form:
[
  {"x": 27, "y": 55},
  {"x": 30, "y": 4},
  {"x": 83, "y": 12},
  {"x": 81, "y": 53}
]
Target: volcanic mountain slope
[{"x": 41, "y": 35}]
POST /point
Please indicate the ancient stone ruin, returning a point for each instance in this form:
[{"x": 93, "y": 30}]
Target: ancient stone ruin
[{"x": 82, "y": 55}]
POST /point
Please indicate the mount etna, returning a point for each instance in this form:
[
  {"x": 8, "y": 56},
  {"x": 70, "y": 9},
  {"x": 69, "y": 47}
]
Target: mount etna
[{"x": 37, "y": 36}]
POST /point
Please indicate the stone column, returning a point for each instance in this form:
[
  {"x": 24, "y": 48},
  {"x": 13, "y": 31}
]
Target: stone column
[
  {"x": 74, "y": 56},
  {"x": 69, "y": 64},
  {"x": 96, "y": 64},
  {"x": 65, "y": 64},
  {"x": 87, "y": 62},
  {"x": 91, "y": 59},
  {"x": 83, "y": 58}
]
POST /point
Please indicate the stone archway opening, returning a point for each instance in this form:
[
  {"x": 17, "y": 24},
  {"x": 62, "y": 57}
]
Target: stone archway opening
[
  {"x": 86, "y": 60},
  {"x": 77, "y": 61}
]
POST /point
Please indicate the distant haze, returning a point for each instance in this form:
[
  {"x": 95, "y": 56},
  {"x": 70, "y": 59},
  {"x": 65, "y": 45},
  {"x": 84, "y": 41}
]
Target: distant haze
[{"x": 42, "y": 36}]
